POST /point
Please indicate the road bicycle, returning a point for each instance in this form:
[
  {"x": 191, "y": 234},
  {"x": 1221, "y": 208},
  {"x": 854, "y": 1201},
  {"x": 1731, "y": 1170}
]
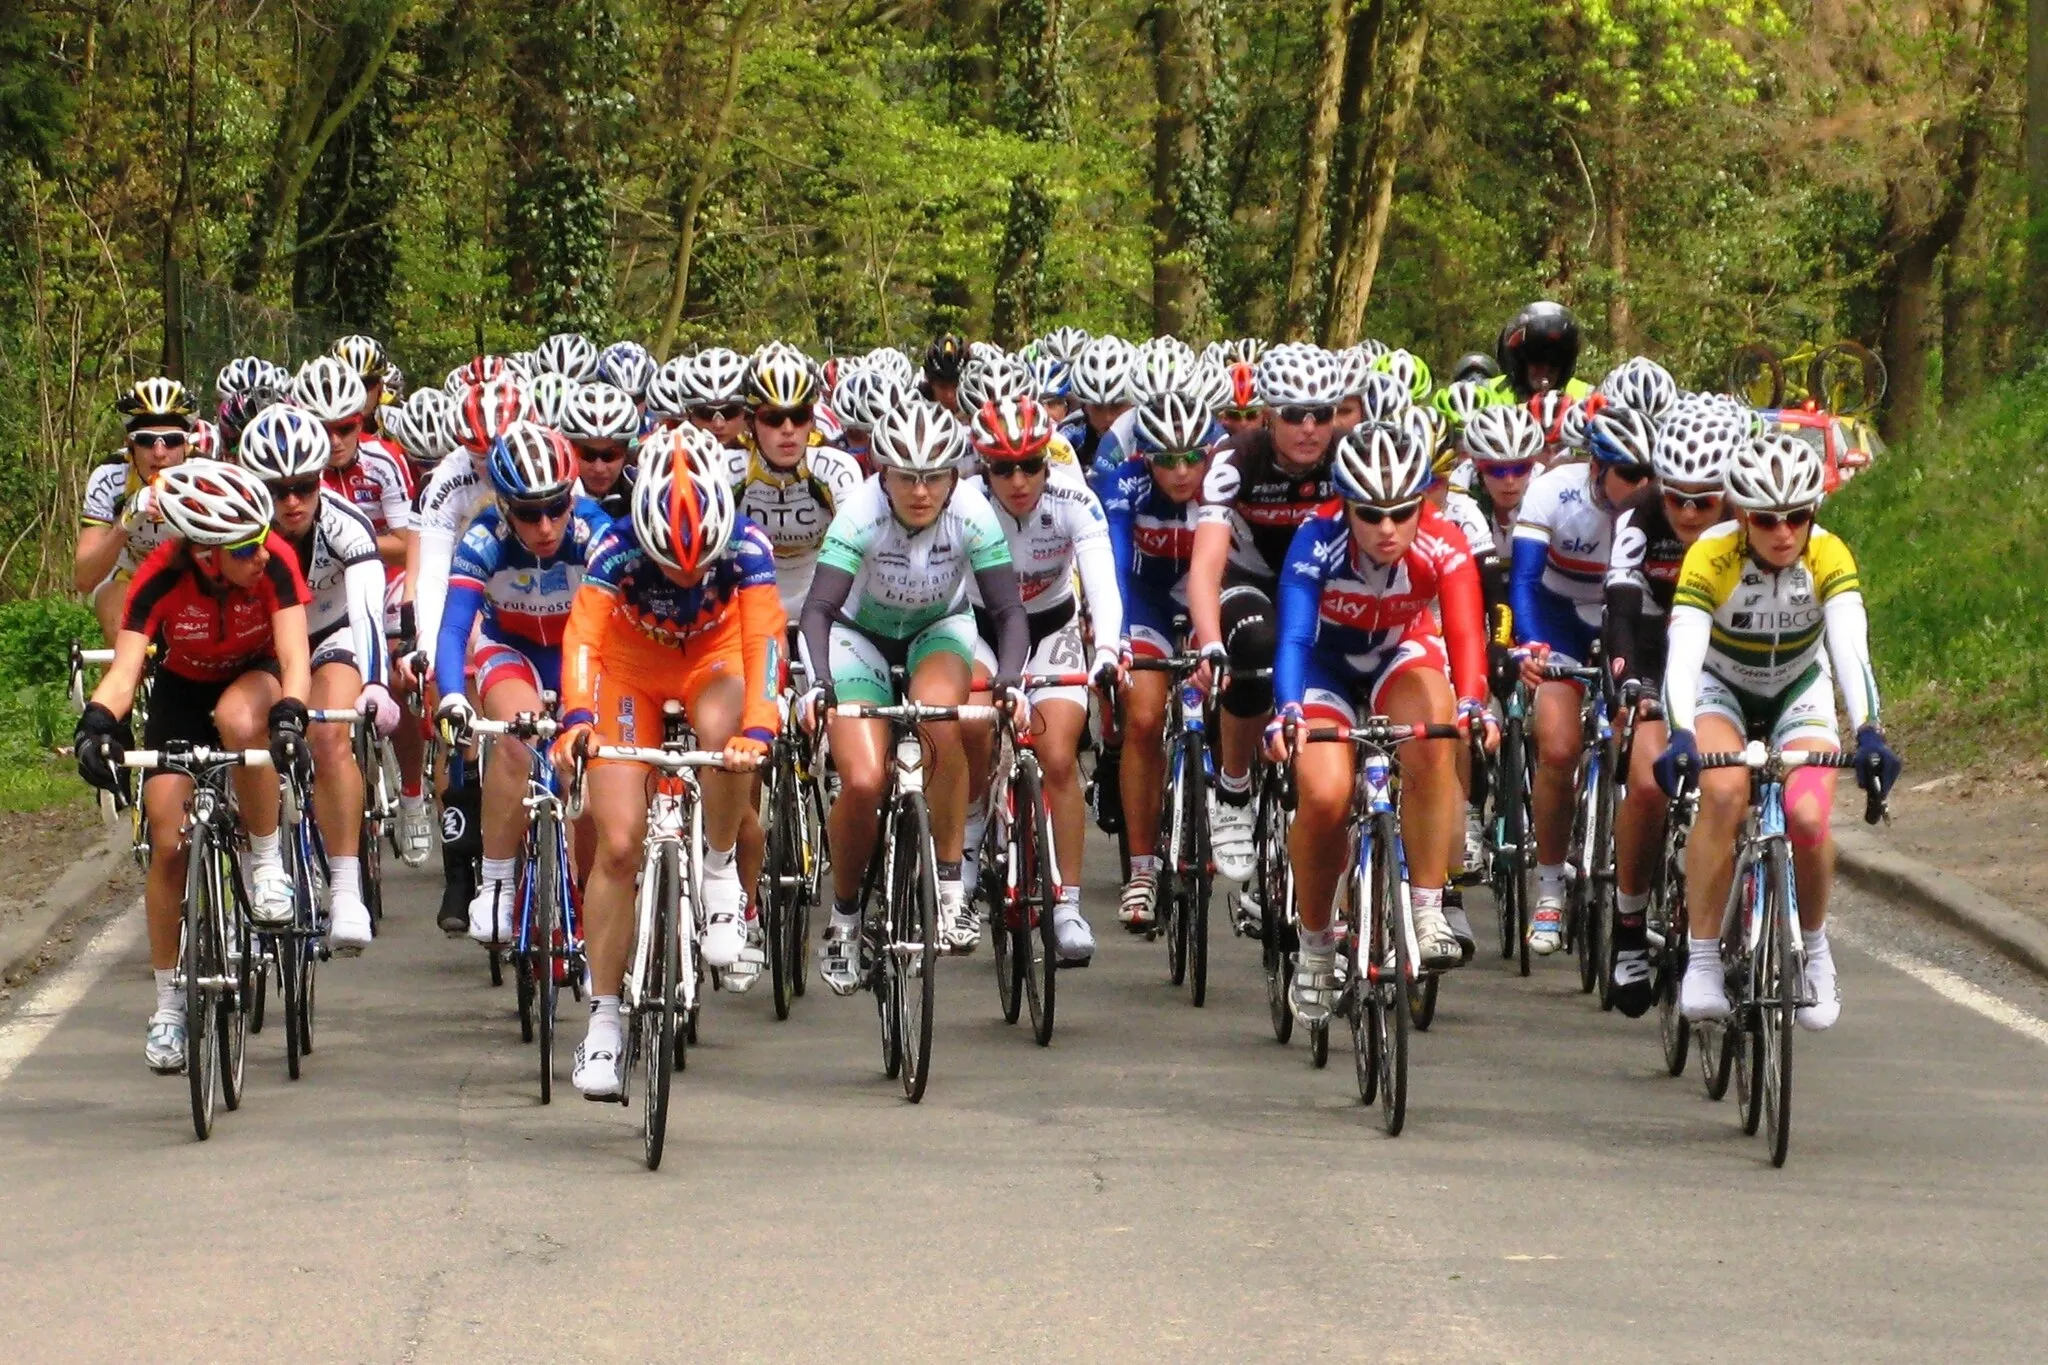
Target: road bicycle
[
  {"x": 899, "y": 947},
  {"x": 1378, "y": 952},
  {"x": 1763, "y": 953},
  {"x": 1667, "y": 924},
  {"x": 1186, "y": 874},
  {"x": 658, "y": 997},
  {"x": 1277, "y": 927},
  {"x": 380, "y": 800},
  {"x": 792, "y": 884},
  {"x": 216, "y": 954},
  {"x": 1589, "y": 856},
  {"x": 1844, "y": 377},
  {"x": 112, "y": 803},
  {"x": 1509, "y": 826},
  {"x": 547, "y": 944},
  {"x": 1019, "y": 873}
]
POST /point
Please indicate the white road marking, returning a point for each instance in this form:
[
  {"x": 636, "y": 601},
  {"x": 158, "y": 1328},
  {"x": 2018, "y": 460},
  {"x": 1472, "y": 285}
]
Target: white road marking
[
  {"x": 40, "y": 1014},
  {"x": 1949, "y": 986}
]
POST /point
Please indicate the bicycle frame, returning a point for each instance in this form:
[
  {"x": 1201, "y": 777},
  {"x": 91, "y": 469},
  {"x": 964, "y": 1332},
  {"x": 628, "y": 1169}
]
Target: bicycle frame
[
  {"x": 1375, "y": 790},
  {"x": 675, "y": 815}
]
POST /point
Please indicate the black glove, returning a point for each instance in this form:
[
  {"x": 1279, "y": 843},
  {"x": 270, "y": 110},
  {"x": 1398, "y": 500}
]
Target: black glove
[
  {"x": 408, "y": 635},
  {"x": 99, "y": 742},
  {"x": 1877, "y": 767},
  {"x": 1502, "y": 672},
  {"x": 288, "y": 736}
]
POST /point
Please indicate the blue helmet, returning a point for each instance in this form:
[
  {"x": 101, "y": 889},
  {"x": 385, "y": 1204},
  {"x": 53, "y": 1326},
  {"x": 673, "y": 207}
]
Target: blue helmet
[
  {"x": 531, "y": 463},
  {"x": 627, "y": 365}
]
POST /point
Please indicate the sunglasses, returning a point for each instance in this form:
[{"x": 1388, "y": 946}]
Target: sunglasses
[
  {"x": 1518, "y": 470},
  {"x": 922, "y": 480},
  {"x": 1627, "y": 473},
  {"x": 1186, "y": 459},
  {"x": 243, "y": 550},
  {"x": 1692, "y": 502},
  {"x": 534, "y": 513},
  {"x": 1301, "y": 414},
  {"x": 295, "y": 488},
  {"x": 781, "y": 417},
  {"x": 1373, "y": 516},
  {"x": 344, "y": 428},
  {"x": 604, "y": 453},
  {"x": 1007, "y": 469},
  {"x": 720, "y": 412},
  {"x": 1798, "y": 519},
  {"x": 169, "y": 440},
  {"x": 1239, "y": 414}
]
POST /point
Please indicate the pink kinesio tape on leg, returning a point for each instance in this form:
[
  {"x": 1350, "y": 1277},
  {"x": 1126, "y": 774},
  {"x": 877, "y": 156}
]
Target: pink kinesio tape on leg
[{"x": 1818, "y": 783}]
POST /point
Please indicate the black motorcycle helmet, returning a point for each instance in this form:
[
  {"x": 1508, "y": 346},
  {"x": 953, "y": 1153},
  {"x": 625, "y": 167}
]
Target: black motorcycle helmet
[
  {"x": 1543, "y": 334},
  {"x": 1474, "y": 368},
  {"x": 943, "y": 359}
]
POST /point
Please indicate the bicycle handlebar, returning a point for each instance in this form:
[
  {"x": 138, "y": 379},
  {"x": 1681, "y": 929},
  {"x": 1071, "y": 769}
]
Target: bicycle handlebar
[
  {"x": 334, "y": 715},
  {"x": 197, "y": 757},
  {"x": 1383, "y": 732},
  {"x": 913, "y": 712},
  {"x": 1174, "y": 663},
  {"x": 1756, "y": 756},
  {"x": 524, "y": 725}
]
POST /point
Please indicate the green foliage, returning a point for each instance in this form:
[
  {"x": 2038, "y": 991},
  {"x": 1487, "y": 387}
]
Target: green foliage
[
  {"x": 35, "y": 100},
  {"x": 35, "y": 640},
  {"x": 1951, "y": 532},
  {"x": 35, "y": 706}
]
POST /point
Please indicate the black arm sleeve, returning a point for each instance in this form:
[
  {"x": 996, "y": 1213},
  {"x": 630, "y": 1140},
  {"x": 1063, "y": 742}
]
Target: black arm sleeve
[
  {"x": 1493, "y": 586},
  {"x": 1004, "y": 601},
  {"x": 1618, "y": 631},
  {"x": 829, "y": 587}
]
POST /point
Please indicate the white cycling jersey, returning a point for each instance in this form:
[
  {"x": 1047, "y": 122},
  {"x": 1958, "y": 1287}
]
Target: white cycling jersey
[
  {"x": 1064, "y": 531},
  {"x": 1463, "y": 512},
  {"x": 1560, "y": 511},
  {"x": 795, "y": 509},
  {"x": 904, "y": 580},
  {"x": 456, "y": 491},
  {"x": 113, "y": 491},
  {"x": 339, "y": 560}
]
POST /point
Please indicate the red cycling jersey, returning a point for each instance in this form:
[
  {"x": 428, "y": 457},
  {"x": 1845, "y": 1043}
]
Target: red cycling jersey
[{"x": 209, "y": 631}]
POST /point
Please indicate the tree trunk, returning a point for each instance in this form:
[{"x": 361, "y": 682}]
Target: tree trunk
[
  {"x": 1965, "y": 320},
  {"x": 1621, "y": 325},
  {"x": 1183, "y": 53},
  {"x": 181, "y": 207},
  {"x": 1356, "y": 122},
  {"x": 302, "y": 131},
  {"x": 2036, "y": 144},
  {"x": 1352, "y": 286},
  {"x": 700, "y": 181},
  {"x": 1038, "y": 112},
  {"x": 1326, "y": 91}
]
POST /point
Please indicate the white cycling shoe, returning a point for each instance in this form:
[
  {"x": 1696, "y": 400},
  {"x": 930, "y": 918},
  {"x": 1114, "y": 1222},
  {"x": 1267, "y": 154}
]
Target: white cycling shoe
[
  {"x": 839, "y": 958},
  {"x": 959, "y": 919},
  {"x": 1825, "y": 990},
  {"x": 1546, "y": 926},
  {"x": 596, "y": 1073},
  {"x": 1076, "y": 941},
  {"x": 490, "y": 912},
  {"x": 1230, "y": 838},
  {"x": 348, "y": 924},
  {"x": 164, "y": 1047},
  {"x": 1435, "y": 941},
  {"x": 1475, "y": 842},
  {"x": 415, "y": 831},
  {"x": 725, "y": 929},
  {"x": 1703, "y": 994},
  {"x": 271, "y": 904},
  {"x": 1313, "y": 993}
]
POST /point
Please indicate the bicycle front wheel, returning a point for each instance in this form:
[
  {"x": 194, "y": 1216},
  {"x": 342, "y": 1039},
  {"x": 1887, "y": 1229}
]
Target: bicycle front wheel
[
  {"x": 1276, "y": 932},
  {"x": 1394, "y": 969},
  {"x": 1777, "y": 1000},
  {"x": 547, "y": 921},
  {"x": 914, "y": 941},
  {"x": 1199, "y": 886},
  {"x": 654, "y": 1016},
  {"x": 232, "y": 1009},
  {"x": 204, "y": 965},
  {"x": 780, "y": 873},
  {"x": 1038, "y": 895},
  {"x": 1667, "y": 899}
]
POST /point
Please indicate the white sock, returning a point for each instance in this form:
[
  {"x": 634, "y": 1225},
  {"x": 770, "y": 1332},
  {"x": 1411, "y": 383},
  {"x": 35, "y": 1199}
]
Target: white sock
[
  {"x": 718, "y": 861},
  {"x": 977, "y": 825},
  {"x": 846, "y": 920},
  {"x": 1144, "y": 865},
  {"x": 263, "y": 847},
  {"x": 1427, "y": 898},
  {"x": 1550, "y": 879},
  {"x": 1071, "y": 895},
  {"x": 604, "y": 1023},
  {"x": 413, "y": 802},
  {"x": 169, "y": 998},
  {"x": 1816, "y": 943},
  {"x": 344, "y": 877},
  {"x": 1628, "y": 905},
  {"x": 1236, "y": 784},
  {"x": 1322, "y": 942},
  {"x": 1705, "y": 955},
  {"x": 498, "y": 869}
]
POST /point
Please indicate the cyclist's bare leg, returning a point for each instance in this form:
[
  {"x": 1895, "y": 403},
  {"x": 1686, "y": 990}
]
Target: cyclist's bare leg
[
  {"x": 1557, "y": 765},
  {"x": 1240, "y": 739},
  {"x": 1710, "y": 851},
  {"x": 243, "y": 718},
  {"x": 337, "y": 781},
  {"x": 1639, "y": 823},
  {"x": 107, "y": 600},
  {"x": 163, "y": 897},
  {"x": 715, "y": 716},
  {"x": 858, "y": 751},
  {"x": 942, "y": 680},
  {"x": 1058, "y": 742},
  {"x": 1143, "y": 774},
  {"x": 753, "y": 838},
  {"x": 1813, "y": 845},
  {"x": 1429, "y": 777},
  {"x": 1316, "y": 842},
  {"x": 617, "y": 800},
  {"x": 510, "y": 768}
]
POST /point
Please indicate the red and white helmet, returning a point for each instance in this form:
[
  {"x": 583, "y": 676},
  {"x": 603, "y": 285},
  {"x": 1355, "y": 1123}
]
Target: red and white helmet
[
  {"x": 209, "y": 502},
  {"x": 1011, "y": 429},
  {"x": 489, "y": 409}
]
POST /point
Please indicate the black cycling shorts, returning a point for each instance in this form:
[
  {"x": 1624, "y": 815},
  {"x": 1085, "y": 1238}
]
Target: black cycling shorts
[
  {"x": 1251, "y": 634},
  {"x": 181, "y": 709}
]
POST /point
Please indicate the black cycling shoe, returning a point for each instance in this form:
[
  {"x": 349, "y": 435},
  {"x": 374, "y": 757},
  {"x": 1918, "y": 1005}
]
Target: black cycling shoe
[
  {"x": 1105, "y": 793},
  {"x": 1461, "y": 926},
  {"x": 1633, "y": 990}
]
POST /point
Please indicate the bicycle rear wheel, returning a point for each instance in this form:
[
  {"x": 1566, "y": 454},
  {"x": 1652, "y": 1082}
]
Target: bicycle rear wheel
[
  {"x": 654, "y": 1017},
  {"x": 914, "y": 941},
  {"x": 1777, "y": 999},
  {"x": 1390, "y": 956},
  {"x": 203, "y": 962},
  {"x": 1422, "y": 1001},
  {"x": 1038, "y": 896},
  {"x": 233, "y": 1009}
]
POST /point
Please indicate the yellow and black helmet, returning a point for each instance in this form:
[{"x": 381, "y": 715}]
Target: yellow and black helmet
[
  {"x": 781, "y": 377},
  {"x": 157, "y": 401},
  {"x": 363, "y": 354}
]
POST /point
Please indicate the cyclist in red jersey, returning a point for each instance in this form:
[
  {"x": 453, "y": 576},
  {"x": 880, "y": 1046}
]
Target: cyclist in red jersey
[{"x": 225, "y": 604}]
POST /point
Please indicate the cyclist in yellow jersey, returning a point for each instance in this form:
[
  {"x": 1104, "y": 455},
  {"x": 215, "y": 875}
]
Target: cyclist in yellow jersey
[
  {"x": 119, "y": 522},
  {"x": 1766, "y": 620}
]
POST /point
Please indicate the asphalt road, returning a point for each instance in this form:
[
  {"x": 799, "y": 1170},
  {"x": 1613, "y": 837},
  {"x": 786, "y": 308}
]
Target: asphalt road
[{"x": 1161, "y": 1183}]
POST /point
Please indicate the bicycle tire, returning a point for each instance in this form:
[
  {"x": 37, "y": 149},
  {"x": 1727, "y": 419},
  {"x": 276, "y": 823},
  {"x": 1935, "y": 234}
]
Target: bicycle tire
[
  {"x": 1579, "y": 897},
  {"x": 1038, "y": 894},
  {"x": 1357, "y": 1001},
  {"x": 781, "y": 871},
  {"x": 202, "y": 962},
  {"x": 1004, "y": 899},
  {"x": 654, "y": 1017},
  {"x": 525, "y": 984},
  {"x": 547, "y": 920},
  {"x": 233, "y": 1009},
  {"x": 371, "y": 860},
  {"x": 816, "y": 850},
  {"x": 1603, "y": 887},
  {"x": 1756, "y": 374},
  {"x": 1390, "y": 956},
  {"x": 1870, "y": 379},
  {"x": 259, "y": 982},
  {"x": 1421, "y": 995},
  {"x": 1173, "y": 899},
  {"x": 876, "y": 936},
  {"x": 1749, "y": 1057},
  {"x": 914, "y": 949},
  {"x": 1787, "y": 982},
  {"x": 1201, "y": 889},
  {"x": 290, "y": 981},
  {"x": 309, "y": 993},
  {"x": 1275, "y": 930},
  {"x": 1667, "y": 895}
]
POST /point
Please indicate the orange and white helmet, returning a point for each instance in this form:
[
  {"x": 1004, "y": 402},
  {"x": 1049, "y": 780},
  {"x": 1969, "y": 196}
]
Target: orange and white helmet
[{"x": 683, "y": 514}]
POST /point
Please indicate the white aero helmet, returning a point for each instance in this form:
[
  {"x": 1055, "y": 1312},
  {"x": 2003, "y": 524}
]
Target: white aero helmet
[
  {"x": 867, "y": 393},
  {"x": 364, "y": 354},
  {"x": 1298, "y": 373},
  {"x": 1354, "y": 367},
  {"x": 984, "y": 380},
  {"x": 891, "y": 361},
  {"x": 209, "y": 502},
  {"x": 330, "y": 389},
  {"x": 668, "y": 393},
  {"x": 426, "y": 430},
  {"x": 599, "y": 412},
  {"x": 985, "y": 350},
  {"x": 285, "y": 442},
  {"x": 1211, "y": 387},
  {"x": 781, "y": 376},
  {"x": 1380, "y": 464},
  {"x": 716, "y": 375},
  {"x": 570, "y": 353},
  {"x": 1102, "y": 371},
  {"x": 1161, "y": 365},
  {"x": 1383, "y": 397},
  {"x": 549, "y": 393},
  {"x": 1374, "y": 347},
  {"x": 1457, "y": 402},
  {"x": 1503, "y": 434},
  {"x": 1063, "y": 343},
  {"x": 1410, "y": 369},
  {"x": 683, "y": 513},
  {"x": 244, "y": 374},
  {"x": 626, "y": 364},
  {"x": 1694, "y": 454},
  {"x": 1773, "y": 474},
  {"x": 1642, "y": 384},
  {"x": 918, "y": 438},
  {"x": 1172, "y": 422}
]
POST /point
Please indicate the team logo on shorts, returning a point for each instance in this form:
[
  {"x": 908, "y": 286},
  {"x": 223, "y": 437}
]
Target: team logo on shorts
[{"x": 453, "y": 825}]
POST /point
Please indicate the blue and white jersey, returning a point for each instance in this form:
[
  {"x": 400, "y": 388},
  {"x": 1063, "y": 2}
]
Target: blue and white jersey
[
  {"x": 1153, "y": 537},
  {"x": 522, "y": 599},
  {"x": 1561, "y": 547}
]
